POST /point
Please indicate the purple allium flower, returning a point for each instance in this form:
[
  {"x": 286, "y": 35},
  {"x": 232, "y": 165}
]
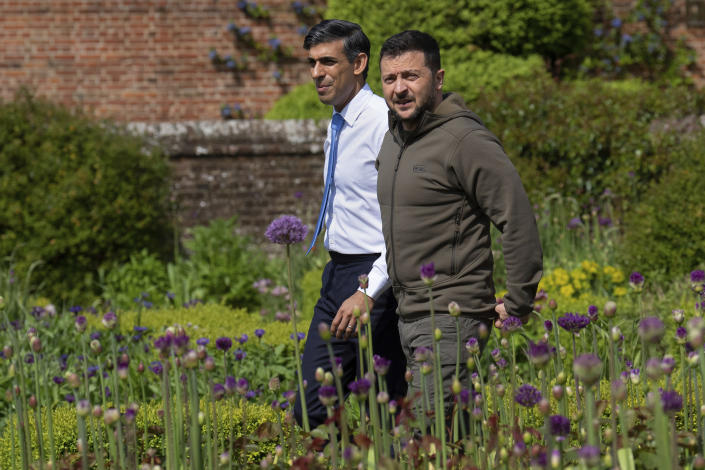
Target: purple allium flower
[
  {"x": 363, "y": 280},
  {"x": 243, "y": 339},
  {"x": 95, "y": 335},
  {"x": 359, "y": 388},
  {"x": 274, "y": 43},
  {"x": 286, "y": 230},
  {"x": 58, "y": 380},
  {"x": 250, "y": 394},
  {"x": 559, "y": 426},
  {"x": 588, "y": 368},
  {"x": 681, "y": 335},
  {"x": 109, "y": 320},
  {"x": 539, "y": 353},
  {"x": 428, "y": 273},
  {"x": 590, "y": 455},
  {"x": 592, "y": 313},
  {"x": 230, "y": 384},
  {"x": 156, "y": 367},
  {"x": 300, "y": 335},
  {"x": 76, "y": 309},
  {"x": 527, "y": 395},
  {"x": 574, "y": 223},
  {"x": 422, "y": 354},
  {"x": 604, "y": 221},
  {"x": 69, "y": 398},
  {"x": 636, "y": 280},
  {"x": 573, "y": 322},
  {"x": 327, "y": 394},
  {"x": 502, "y": 363},
  {"x": 548, "y": 325},
  {"x": 671, "y": 401},
  {"x": 651, "y": 329},
  {"x": 224, "y": 343},
  {"x": 381, "y": 364},
  {"x": 511, "y": 324},
  {"x": 218, "y": 391},
  {"x": 616, "y": 23},
  {"x": 242, "y": 385},
  {"x": 29, "y": 358},
  {"x": 80, "y": 323},
  {"x": 697, "y": 276},
  {"x": 259, "y": 332},
  {"x": 202, "y": 341},
  {"x": 473, "y": 346},
  {"x": 239, "y": 354}
]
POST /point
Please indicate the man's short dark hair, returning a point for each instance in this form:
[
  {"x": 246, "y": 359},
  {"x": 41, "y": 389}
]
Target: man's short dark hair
[
  {"x": 412, "y": 40},
  {"x": 354, "y": 40}
]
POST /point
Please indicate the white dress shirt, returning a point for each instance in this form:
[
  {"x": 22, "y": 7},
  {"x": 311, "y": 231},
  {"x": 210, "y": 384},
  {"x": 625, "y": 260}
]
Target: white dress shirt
[{"x": 353, "y": 221}]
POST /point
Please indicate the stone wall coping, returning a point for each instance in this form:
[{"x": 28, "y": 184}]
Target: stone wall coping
[{"x": 235, "y": 137}]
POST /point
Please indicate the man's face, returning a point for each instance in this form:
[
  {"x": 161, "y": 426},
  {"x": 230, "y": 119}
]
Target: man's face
[
  {"x": 409, "y": 87},
  {"x": 333, "y": 75}
]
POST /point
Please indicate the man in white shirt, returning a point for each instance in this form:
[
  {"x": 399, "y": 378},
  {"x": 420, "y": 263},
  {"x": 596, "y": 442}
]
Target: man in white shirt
[{"x": 338, "y": 57}]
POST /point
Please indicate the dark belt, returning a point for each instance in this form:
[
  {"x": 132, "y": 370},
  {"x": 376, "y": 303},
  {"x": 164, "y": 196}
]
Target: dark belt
[{"x": 344, "y": 258}]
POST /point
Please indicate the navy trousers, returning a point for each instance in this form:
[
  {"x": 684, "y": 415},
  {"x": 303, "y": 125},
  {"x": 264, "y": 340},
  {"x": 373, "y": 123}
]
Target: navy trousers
[{"x": 340, "y": 281}]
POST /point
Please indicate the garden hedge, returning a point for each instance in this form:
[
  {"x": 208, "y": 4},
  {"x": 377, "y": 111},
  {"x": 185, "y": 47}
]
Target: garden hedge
[{"x": 77, "y": 195}]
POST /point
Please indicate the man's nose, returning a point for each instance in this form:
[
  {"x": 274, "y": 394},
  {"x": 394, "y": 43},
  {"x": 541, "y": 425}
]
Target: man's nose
[
  {"x": 317, "y": 70},
  {"x": 400, "y": 87}
]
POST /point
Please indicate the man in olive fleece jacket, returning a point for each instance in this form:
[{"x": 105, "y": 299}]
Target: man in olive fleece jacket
[{"x": 443, "y": 179}]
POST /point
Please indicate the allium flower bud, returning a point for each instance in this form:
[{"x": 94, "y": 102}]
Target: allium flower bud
[
  {"x": 557, "y": 392},
  {"x": 365, "y": 318},
  {"x": 499, "y": 389},
  {"x": 668, "y": 364},
  {"x": 483, "y": 331},
  {"x": 319, "y": 374},
  {"x": 72, "y": 379},
  {"x": 634, "y": 376},
  {"x": 364, "y": 281},
  {"x": 209, "y": 363},
  {"x": 438, "y": 334},
  {"x": 32, "y": 401},
  {"x": 324, "y": 331},
  {"x": 696, "y": 332},
  {"x": 190, "y": 359},
  {"x": 651, "y": 329},
  {"x": 382, "y": 397},
  {"x": 111, "y": 416},
  {"x": 454, "y": 309},
  {"x": 80, "y": 323},
  {"x": 678, "y": 316},
  {"x": 619, "y": 390},
  {"x": 356, "y": 311},
  {"x": 610, "y": 308},
  {"x": 552, "y": 304},
  {"x": 7, "y": 351},
  {"x": 36, "y": 344},
  {"x": 653, "y": 368},
  {"x": 393, "y": 407},
  {"x": 328, "y": 378},
  {"x": 363, "y": 341},
  {"x": 426, "y": 368},
  {"x": 408, "y": 375},
  {"x": 616, "y": 333},
  {"x": 473, "y": 346},
  {"x": 504, "y": 343},
  {"x": 428, "y": 274},
  {"x": 96, "y": 347},
  {"x": 456, "y": 386},
  {"x": 109, "y": 320},
  {"x": 544, "y": 406},
  {"x": 224, "y": 458}
]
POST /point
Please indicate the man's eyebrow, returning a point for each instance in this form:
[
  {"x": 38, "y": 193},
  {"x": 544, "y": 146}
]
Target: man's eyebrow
[{"x": 320, "y": 59}]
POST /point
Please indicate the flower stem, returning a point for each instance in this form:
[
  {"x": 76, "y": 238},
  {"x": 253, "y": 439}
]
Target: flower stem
[{"x": 299, "y": 373}]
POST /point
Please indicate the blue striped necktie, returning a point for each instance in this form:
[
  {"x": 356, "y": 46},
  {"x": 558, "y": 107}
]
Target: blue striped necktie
[{"x": 335, "y": 127}]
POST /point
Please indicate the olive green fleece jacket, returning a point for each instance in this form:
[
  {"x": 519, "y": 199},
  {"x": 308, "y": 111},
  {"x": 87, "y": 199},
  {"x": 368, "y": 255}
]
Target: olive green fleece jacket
[{"x": 439, "y": 189}]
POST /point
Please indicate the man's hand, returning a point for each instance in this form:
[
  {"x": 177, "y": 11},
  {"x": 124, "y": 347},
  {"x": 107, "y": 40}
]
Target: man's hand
[
  {"x": 345, "y": 324},
  {"x": 503, "y": 315}
]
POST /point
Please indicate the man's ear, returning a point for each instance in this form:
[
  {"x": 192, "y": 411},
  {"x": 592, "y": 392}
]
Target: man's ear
[
  {"x": 440, "y": 75},
  {"x": 360, "y": 63}
]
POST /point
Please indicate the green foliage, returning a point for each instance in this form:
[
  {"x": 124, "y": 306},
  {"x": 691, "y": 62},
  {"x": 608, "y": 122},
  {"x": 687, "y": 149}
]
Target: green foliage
[
  {"x": 219, "y": 265},
  {"x": 300, "y": 103},
  {"x": 580, "y": 139},
  {"x": 261, "y": 426},
  {"x": 639, "y": 45},
  {"x": 76, "y": 195},
  {"x": 551, "y": 28},
  {"x": 224, "y": 263},
  {"x": 664, "y": 233},
  {"x": 208, "y": 321}
]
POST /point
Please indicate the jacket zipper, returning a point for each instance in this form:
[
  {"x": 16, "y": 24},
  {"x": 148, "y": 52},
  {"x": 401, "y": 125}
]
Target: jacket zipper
[
  {"x": 391, "y": 216},
  {"x": 456, "y": 237}
]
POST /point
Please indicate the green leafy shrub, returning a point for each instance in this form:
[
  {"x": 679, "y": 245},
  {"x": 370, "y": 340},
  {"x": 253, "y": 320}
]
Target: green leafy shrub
[
  {"x": 664, "y": 234},
  {"x": 219, "y": 265},
  {"x": 76, "y": 194},
  {"x": 300, "y": 103},
  {"x": 208, "y": 321},
  {"x": 261, "y": 427},
  {"x": 580, "y": 139}
]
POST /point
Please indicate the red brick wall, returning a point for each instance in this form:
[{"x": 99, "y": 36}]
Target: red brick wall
[{"x": 145, "y": 60}]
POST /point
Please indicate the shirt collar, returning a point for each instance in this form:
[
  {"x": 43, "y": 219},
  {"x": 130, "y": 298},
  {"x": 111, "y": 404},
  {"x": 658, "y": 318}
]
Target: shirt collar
[{"x": 354, "y": 108}]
